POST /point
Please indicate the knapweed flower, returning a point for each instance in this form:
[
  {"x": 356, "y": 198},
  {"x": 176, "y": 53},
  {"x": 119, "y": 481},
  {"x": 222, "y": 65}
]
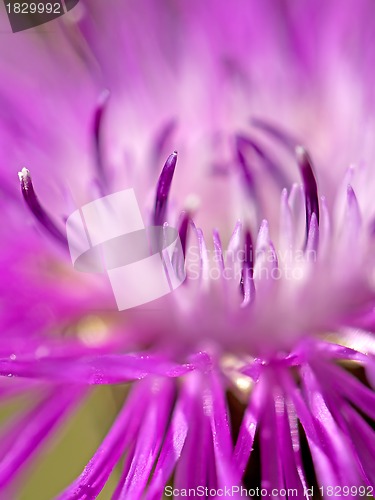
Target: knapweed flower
[{"x": 255, "y": 377}]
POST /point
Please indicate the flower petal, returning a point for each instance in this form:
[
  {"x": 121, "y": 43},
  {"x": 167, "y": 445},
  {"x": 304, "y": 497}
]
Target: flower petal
[
  {"x": 121, "y": 434},
  {"x": 24, "y": 437},
  {"x": 150, "y": 435}
]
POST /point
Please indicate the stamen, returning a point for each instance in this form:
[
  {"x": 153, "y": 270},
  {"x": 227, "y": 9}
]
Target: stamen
[
  {"x": 325, "y": 230},
  {"x": 183, "y": 229},
  {"x": 218, "y": 248},
  {"x": 313, "y": 238},
  {"x": 234, "y": 242},
  {"x": 247, "y": 273},
  {"x": 286, "y": 224},
  {"x": 98, "y": 132},
  {"x": 310, "y": 186},
  {"x": 240, "y": 143},
  {"x": 204, "y": 259},
  {"x": 35, "y": 207},
  {"x": 163, "y": 188},
  {"x": 353, "y": 219},
  {"x": 178, "y": 260},
  {"x": 283, "y": 137},
  {"x": 162, "y": 139},
  {"x": 270, "y": 164}
]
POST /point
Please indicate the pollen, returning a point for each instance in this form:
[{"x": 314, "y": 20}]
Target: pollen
[
  {"x": 24, "y": 176},
  {"x": 92, "y": 330}
]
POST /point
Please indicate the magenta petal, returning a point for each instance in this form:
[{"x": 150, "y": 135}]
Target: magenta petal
[
  {"x": 150, "y": 436},
  {"x": 361, "y": 440},
  {"x": 122, "y": 432},
  {"x": 192, "y": 468},
  {"x": 296, "y": 444},
  {"x": 349, "y": 387},
  {"x": 323, "y": 464},
  {"x": 249, "y": 425},
  {"x": 11, "y": 388},
  {"x": 105, "y": 369},
  {"x": 172, "y": 447},
  {"x": 22, "y": 439},
  {"x": 289, "y": 457},
  {"x": 336, "y": 444},
  {"x": 364, "y": 438},
  {"x": 335, "y": 351},
  {"x": 215, "y": 407},
  {"x": 270, "y": 454}
]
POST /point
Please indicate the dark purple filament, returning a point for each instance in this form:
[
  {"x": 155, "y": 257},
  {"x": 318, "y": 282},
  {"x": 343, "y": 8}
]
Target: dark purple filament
[
  {"x": 178, "y": 260},
  {"x": 242, "y": 162},
  {"x": 98, "y": 132},
  {"x": 309, "y": 185},
  {"x": 163, "y": 138},
  {"x": 163, "y": 188},
  {"x": 270, "y": 164},
  {"x": 35, "y": 207},
  {"x": 282, "y": 136},
  {"x": 183, "y": 229},
  {"x": 304, "y": 163}
]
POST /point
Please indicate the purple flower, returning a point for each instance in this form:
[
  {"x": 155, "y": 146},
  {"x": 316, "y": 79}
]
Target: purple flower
[{"x": 257, "y": 373}]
